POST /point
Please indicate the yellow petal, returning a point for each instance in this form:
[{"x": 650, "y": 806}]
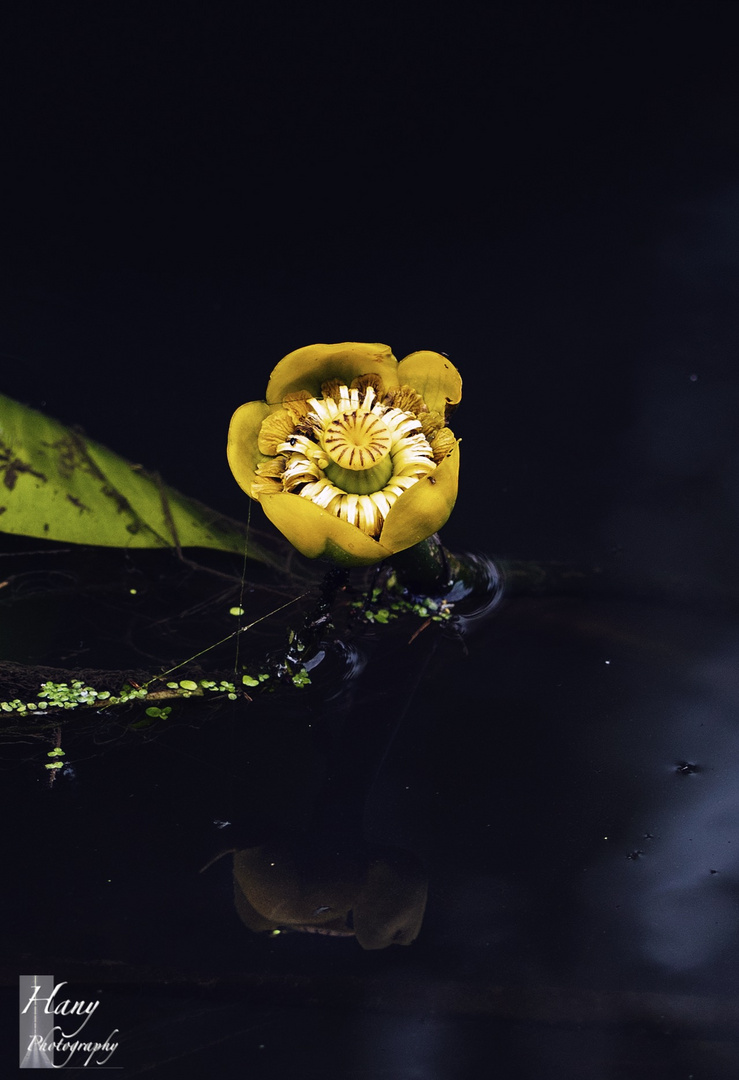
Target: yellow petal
[
  {"x": 442, "y": 443},
  {"x": 276, "y": 429},
  {"x": 320, "y": 535},
  {"x": 431, "y": 424},
  {"x": 307, "y": 368},
  {"x": 423, "y": 509},
  {"x": 434, "y": 377},
  {"x": 297, "y": 404},
  {"x": 243, "y": 433},
  {"x": 370, "y": 379}
]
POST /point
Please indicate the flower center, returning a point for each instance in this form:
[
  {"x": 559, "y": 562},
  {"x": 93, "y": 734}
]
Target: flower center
[
  {"x": 348, "y": 452},
  {"x": 357, "y": 440},
  {"x": 358, "y": 445}
]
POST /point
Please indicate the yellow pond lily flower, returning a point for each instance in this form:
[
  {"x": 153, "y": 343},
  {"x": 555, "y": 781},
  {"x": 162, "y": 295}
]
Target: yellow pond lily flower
[{"x": 349, "y": 454}]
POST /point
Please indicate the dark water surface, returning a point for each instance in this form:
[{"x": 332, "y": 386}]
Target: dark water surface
[
  {"x": 550, "y": 195},
  {"x": 566, "y": 776}
]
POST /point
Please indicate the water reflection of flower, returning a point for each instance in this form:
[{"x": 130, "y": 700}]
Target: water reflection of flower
[
  {"x": 377, "y": 895},
  {"x": 350, "y": 455}
]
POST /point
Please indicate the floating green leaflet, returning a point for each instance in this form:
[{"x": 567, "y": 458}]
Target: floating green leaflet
[{"x": 57, "y": 484}]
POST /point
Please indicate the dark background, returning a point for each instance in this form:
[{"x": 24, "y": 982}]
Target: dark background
[{"x": 546, "y": 192}]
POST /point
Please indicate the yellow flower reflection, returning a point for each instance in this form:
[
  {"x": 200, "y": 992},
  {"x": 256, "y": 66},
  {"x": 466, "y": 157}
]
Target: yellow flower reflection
[
  {"x": 377, "y": 895},
  {"x": 349, "y": 454}
]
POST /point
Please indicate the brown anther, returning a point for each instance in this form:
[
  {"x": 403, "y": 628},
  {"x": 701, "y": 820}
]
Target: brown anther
[
  {"x": 406, "y": 398},
  {"x": 276, "y": 429}
]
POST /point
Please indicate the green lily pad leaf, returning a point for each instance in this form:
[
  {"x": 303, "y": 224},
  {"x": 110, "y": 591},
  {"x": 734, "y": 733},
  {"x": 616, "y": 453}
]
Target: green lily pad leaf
[{"x": 57, "y": 484}]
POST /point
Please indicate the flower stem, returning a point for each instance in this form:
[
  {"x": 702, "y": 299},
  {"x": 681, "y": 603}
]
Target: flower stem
[
  {"x": 318, "y": 619},
  {"x": 430, "y": 569}
]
